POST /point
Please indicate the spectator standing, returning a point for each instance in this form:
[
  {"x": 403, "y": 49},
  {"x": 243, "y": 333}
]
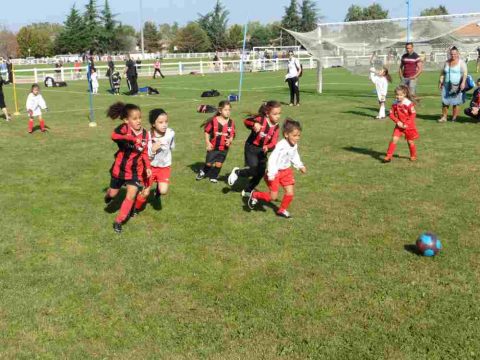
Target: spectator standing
[{"x": 411, "y": 67}]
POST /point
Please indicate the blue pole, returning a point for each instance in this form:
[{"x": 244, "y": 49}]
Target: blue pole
[
  {"x": 408, "y": 21},
  {"x": 241, "y": 62},
  {"x": 90, "y": 97}
]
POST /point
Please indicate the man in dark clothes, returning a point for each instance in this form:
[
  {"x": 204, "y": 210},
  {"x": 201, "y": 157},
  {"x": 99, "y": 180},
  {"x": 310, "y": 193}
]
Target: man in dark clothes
[
  {"x": 3, "y": 107},
  {"x": 131, "y": 73}
]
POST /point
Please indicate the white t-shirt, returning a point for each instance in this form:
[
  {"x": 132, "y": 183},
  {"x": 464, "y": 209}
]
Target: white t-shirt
[
  {"x": 36, "y": 104},
  {"x": 94, "y": 77},
  {"x": 381, "y": 84},
  {"x": 293, "y": 68},
  {"x": 282, "y": 157},
  {"x": 163, "y": 156}
]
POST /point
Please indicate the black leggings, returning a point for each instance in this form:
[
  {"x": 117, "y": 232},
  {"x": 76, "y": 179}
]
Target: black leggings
[
  {"x": 157, "y": 71},
  {"x": 256, "y": 164},
  {"x": 293, "y": 84},
  {"x": 132, "y": 84}
]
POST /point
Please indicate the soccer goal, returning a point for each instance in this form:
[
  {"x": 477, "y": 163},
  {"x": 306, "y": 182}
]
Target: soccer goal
[{"x": 357, "y": 45}]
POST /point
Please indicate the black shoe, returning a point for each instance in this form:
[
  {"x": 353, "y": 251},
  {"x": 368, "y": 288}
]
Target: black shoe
[
  {"x": 117, "y": 227},
  {"x": 157, "y": 194},
  {"x": 107, "y": 199},
  {"x": 134, "y": 213}
]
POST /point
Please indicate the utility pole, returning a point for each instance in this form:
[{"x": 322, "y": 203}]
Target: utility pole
[
  {"x": 408, "y": 20},
  {"x": 141, "y": 29}
]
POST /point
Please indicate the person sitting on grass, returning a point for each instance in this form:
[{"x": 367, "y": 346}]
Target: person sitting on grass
[{"x": 473, "y": 110}]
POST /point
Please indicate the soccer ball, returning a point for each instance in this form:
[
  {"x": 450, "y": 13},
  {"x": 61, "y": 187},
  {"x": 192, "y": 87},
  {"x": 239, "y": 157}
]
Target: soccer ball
[{"x": 428, "y": 244}]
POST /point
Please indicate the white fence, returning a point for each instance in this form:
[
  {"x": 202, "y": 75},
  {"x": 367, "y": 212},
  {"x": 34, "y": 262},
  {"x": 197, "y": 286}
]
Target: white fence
[{"x": 36, "y": 75}]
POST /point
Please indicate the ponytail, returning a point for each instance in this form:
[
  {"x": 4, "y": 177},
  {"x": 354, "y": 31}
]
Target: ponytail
[
  {"x": 120, "y": 110},
  {"x": 266, "y": 108},
  {"x": 221, "y": 105}
]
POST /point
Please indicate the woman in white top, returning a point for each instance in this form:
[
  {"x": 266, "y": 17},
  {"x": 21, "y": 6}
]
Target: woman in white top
[
  {"x": 292, "y": 78},
  {"x": 452, "y": 83}
]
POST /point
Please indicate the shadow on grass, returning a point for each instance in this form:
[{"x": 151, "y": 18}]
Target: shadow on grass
[
  {"x": 116, "y": 203},
  {"x": 370, "y": 152},
  {"x": 411, "y": 248},
  {"x": 37, "y": 128},
  {"x": 196, "y": 167},
  {"x": 360, "y": 113},
  {"x": 460, "y": 119},
  {"x": 261, "y": 206}
]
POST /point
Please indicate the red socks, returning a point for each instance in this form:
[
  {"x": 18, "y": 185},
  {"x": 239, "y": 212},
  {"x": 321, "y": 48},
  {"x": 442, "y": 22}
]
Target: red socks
[
  {"x": 140, "y": 202},
  {"x": 413, "y": 150},
  {"x": 286, "y": 201},
  {"x": 391, "y": 149},
  {"x": 30, "y": 125},
  {"x": 265, "y": 196},
  {"x": 124, "y": 210},
  {"x": 42, "y": 125}
]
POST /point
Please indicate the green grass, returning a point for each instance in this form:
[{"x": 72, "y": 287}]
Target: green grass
[{"x": 203, "y": 278}]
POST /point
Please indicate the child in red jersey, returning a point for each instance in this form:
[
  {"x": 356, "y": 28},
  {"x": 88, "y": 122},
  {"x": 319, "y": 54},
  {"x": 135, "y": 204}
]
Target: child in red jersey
[
  {"x": 160, "y": 145},
  {"x": 131, "y": 159},
  {"x": 219, "y": 134},
  {"x": 263, "y": 138},
  {"x": 279, "y": 171},
  {"x": 35, "y": 105},
  {"x": 403, "y": 115}
]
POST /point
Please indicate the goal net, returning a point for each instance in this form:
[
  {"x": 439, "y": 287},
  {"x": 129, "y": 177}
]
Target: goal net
[{"x": 352, "y": 44}]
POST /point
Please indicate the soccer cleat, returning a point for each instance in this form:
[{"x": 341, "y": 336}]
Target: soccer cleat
[
  {"x": 134, "y": 213},
  {"x": 107, "y": 199},
  {"x": 284, "y": 213},
  {"x": 251, "y": 201},
  {"x": 233, "y": 177},
  {"x": 246, "y": 194},
  {"x": 213, "y": 181},
  {"x": 157, "y": 193},
  {"x": 387, "y": 159},
  {"x": 117, "y": 227},
  {"x": 200, "y": 175}
]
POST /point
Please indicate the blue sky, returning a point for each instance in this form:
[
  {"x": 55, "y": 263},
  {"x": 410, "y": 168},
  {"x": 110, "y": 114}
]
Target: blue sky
[{"x": 18, "y": 13}]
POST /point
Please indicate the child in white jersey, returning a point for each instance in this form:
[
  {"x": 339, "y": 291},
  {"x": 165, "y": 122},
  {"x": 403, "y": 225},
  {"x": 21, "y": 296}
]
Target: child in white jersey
[
  {"x": 381, "y": 78},
  {"x": 279, "y": 171},
  {"x": 35, "y": 105},
  {"x": 94, "y": 79},
  {"x": 161, "y": 142}
]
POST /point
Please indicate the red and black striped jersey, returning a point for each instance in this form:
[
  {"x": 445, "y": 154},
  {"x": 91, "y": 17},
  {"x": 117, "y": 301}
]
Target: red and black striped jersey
[
  {"x": 220, "y": 133},
  {"x": 131, "y": 159},
  {"x": 267, "y": 136}
]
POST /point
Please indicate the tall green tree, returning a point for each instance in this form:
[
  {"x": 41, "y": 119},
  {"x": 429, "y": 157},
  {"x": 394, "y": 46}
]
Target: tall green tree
[
  {"x": 125, "y": 39},
  {"x": 72, "y": 38},
  {"x": 309, "y": 16},
  {"x": 39, "y": 38},
  {"x": 291, "y": 21},
  {"x": 107, "y": 34},
  {"x": 235, "y": 37},
  {"x": 151, "y": 37},
  {"x": 260, "y": 36},
  {"x": 214, "y": 24},
  {"x": 92, "y": 26},
  {"x": 8, "y": 43},
  {"x": 192, "y": 38},
  {"x": 439, "y": 10},
  {"x": 372, "y": 12}
]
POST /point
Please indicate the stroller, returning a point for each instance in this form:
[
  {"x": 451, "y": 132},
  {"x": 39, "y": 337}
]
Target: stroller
[{"x": 115, "y": 81}]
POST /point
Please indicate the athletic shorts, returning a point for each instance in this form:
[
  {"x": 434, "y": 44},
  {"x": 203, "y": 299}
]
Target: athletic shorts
[
  {"x": 117, "y": 184},
  {"x": 216, "y": 156},
  {"x": 410, "y": 134},
  {"x": 159, "y": 175},
  {"x": 283, "y": 178},
  {"x": 2, "y": 101}
]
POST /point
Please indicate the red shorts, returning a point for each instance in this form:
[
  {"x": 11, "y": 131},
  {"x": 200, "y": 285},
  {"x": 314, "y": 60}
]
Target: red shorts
[
  {"x": 410, "y": 134},
  {"x": 283, "y": 178},
  {"x": 159, "y": 175}
]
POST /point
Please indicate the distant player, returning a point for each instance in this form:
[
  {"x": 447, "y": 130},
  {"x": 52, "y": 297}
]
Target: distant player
[
  {"x": 94, "y": 80},
  {"x": 3, "y": 106},
  {"x": 116, "y": 82},
  {"x": 279, "y": 172},
  {"x": 132, "y": 164},
  {"x": 156, "y": 68},
  {"x": 403, "y": 115},
  {"x": 478, "y": 58},
  {"x": 262, "y": 139},
  {"x": 380, "y": 78},
  {"x": 35, "y": 104},
  {"x": 219, "y": 134},
  {"x": 160, "y": 145}
]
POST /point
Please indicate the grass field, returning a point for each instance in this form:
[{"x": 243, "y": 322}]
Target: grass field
[{"x": 205, "y": 278}]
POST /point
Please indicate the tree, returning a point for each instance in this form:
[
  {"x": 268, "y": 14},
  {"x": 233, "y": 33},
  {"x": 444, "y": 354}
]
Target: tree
[
  {"x": 235, "y": 37},
  {"x": 8, "y": 44},
  {"x": 72, "y": 38},
  {"x": 440, "y": 10},
  {"x": 125, "y": 39},
  {"x": 151, "y": 37},
  {"x": 309, "y": 16},
  {"x": 92, "y": 26},
  {"x": 260, "y": 36},
  {"x": 192, "y": 38},
  {"x": 109, "y": 26},
  {"x": 214, "y": 24},
  {"x": 372, "y": 12},
  {"x": 37, "y": 39},
  {"x": 291, "y": 21}
]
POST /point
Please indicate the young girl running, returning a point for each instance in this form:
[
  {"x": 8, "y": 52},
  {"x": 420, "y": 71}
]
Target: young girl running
[
  {"x": 381, "y": 79},
  {"x": 262, "y": 139},
  {"x": 279, "y": 171},
  {"x": 403, "y": 115},
  {"x": 35, "y": 105},
  {"x": 131, "y": 159},
  {"x": 219, "y": 134},
  {"x": 160, "y": 145}
]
